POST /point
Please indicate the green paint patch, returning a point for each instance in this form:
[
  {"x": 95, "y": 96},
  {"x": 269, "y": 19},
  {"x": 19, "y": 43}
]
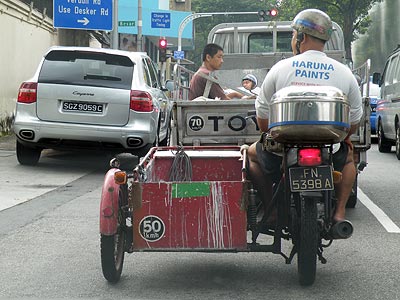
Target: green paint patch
[{"x": 190, "y": 189}]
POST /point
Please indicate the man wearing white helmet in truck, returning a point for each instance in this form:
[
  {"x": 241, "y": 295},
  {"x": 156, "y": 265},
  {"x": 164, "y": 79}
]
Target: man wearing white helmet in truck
[
  {"x": 309, "y": 66},
  {"x": 249, "y": 83}
]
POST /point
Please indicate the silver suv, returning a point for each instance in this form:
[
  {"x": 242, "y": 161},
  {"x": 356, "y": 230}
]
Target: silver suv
[{"x": 88, "y": 98}]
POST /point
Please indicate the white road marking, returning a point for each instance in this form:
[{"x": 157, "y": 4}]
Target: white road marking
[{"x": 386, "y": 222}]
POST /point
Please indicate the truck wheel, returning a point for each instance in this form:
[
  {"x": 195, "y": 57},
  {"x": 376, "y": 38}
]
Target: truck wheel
[
  {"x": 384, "y": 146},
  {"x": 398, "y": 141},
  {"x": 112, "y": 247},
  {"x": 26, "y": 155},
  {"x": 307, "y": 245},
  {"x": 352, "y": 201},
  {"x": 166, "y": 140}
]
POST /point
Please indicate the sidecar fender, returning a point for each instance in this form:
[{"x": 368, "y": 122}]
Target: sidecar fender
[{"x": 109, "y": 204}]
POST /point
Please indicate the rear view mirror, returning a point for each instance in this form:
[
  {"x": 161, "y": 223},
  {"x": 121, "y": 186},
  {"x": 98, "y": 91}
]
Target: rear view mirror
[
  {"x": 169, "y": 85},
  {"x": 376, "y": 78}
]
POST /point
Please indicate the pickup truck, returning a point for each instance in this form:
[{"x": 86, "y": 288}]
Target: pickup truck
[{"x": 251, "y": 47}]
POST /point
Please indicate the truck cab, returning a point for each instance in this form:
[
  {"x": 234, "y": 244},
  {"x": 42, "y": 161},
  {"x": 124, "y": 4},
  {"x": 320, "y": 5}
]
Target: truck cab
[{"x": 264, "y": 37}]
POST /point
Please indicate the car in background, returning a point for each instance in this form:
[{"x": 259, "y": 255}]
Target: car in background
[
  {"x": 374, "y": 94},
  {"x": 388, "y": 107},
  {"x": 89, "y": 98}
]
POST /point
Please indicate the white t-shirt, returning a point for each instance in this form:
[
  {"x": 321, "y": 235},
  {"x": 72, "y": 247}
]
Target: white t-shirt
[
  {"x": 310, "y": 68},
  {"x": 256, "y": 91}
]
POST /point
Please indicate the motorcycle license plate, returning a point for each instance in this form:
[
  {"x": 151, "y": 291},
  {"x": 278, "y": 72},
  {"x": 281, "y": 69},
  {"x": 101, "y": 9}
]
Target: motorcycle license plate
[{"x": 303, "y": 179}]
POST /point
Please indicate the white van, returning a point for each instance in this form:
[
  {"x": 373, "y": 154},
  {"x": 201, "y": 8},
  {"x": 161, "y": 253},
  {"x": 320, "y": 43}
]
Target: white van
[{"x": 387, "y": 120}]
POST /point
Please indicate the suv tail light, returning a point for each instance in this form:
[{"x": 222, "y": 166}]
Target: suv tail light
[
  {"x": 141, "y": 101},
  {"x": 27, "y": 92},
  {"x": 309, "y": 157}
]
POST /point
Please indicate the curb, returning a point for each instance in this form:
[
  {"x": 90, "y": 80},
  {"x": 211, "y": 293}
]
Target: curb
[{"x": 7, "y": 142}]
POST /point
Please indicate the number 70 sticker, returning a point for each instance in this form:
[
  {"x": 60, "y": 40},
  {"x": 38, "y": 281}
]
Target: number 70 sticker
[{"x": 151, "y": 228}]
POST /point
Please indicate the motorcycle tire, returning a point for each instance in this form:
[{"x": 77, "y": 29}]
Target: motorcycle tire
[{"x": 307, "y": 245}]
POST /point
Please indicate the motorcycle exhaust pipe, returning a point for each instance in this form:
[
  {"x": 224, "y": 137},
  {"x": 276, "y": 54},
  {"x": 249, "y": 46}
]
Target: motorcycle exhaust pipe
[{"x": 341, "y": 230}]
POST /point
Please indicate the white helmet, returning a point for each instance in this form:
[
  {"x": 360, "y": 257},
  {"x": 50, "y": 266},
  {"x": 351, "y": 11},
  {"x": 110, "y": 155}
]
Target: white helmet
[{"x": 252, "y": 78}]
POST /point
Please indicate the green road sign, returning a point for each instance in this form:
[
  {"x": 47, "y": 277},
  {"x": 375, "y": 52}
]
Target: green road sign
[{"x": 126, "y": 23}]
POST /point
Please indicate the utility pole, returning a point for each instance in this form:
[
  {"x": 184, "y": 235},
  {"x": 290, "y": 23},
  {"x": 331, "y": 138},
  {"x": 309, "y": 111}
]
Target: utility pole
[
  {"x": 139, "y": 31},
  {"x": 114, "y": 34}
]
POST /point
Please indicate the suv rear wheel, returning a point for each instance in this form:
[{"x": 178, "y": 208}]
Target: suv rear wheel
[{"x": 27, "y": 156}]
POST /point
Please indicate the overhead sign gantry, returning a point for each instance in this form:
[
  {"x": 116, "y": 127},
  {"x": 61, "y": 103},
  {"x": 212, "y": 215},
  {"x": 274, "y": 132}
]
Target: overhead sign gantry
[{"x": 83, "y": 14}]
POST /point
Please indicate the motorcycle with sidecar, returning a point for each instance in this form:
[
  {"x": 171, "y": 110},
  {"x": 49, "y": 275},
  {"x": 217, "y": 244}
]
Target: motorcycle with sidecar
[{"x": 200, "y": 198}]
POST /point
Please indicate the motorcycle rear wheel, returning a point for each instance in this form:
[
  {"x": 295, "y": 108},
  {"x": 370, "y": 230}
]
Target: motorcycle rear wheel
[{"x": 307, "y": 241}]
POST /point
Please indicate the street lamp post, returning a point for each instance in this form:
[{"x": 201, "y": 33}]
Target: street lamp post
[
  {"x": 139, "y": 31},
  {"x": 114, "y": 34},
  {"x": 194, "y": 16}
]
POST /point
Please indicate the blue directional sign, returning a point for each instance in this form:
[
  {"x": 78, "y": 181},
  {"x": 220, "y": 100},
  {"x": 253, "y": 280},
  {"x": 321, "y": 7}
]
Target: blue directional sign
[
  {"x": 160, "y": 20},
  {"x": 83, "y": 14},
  {"x": 179, "y": 54}
]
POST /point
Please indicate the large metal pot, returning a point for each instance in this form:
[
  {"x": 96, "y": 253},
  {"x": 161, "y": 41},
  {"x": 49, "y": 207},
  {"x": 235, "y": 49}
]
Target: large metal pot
[{"x": 309, "y": 114}]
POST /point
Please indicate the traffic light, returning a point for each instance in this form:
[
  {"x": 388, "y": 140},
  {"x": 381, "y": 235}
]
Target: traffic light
[
  {"x": 264, "y": 14},
  {"x": 162, "y": 45}
]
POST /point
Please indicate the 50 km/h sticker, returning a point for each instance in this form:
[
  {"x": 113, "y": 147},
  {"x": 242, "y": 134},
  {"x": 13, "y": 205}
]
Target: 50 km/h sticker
[{"x": 151, "y": 228}]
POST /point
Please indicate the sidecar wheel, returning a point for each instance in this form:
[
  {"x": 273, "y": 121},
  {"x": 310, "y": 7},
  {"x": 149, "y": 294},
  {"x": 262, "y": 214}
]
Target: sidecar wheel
[
  {"x": 112, "y": 256},
  {"x": 308, "y": 242},
  {"x": 112, "y": 247}
]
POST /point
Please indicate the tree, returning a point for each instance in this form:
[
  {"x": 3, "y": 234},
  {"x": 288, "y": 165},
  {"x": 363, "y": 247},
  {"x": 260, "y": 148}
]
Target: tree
[
  {"x": 382, "y": 38},
  {"x": 351, "y": 15}
]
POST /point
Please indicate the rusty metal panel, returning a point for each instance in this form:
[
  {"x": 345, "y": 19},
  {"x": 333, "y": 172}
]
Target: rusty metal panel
[{"x": 191, "y": 215}]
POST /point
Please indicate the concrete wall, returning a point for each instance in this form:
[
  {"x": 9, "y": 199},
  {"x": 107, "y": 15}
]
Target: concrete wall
[{"x": 25, "y": 35}]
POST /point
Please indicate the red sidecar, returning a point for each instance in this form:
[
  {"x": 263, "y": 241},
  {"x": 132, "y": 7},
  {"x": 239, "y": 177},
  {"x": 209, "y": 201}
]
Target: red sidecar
[{"x": 176, "y": 199}]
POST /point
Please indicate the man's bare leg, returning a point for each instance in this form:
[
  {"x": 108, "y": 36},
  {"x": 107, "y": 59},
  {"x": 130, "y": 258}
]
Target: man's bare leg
[
  {"x": 343, "y": 189},
  {"x": 262, "y": 183}
]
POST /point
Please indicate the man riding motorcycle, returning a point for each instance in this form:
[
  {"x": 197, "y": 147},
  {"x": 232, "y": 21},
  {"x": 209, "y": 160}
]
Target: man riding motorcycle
[{"x": 309, "y": 66}]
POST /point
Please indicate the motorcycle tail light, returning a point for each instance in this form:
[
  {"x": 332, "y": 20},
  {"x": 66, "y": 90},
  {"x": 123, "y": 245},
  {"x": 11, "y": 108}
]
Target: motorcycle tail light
[
  {"x": 120, "y": 177},
  {"x": 309, "y": 157}
]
